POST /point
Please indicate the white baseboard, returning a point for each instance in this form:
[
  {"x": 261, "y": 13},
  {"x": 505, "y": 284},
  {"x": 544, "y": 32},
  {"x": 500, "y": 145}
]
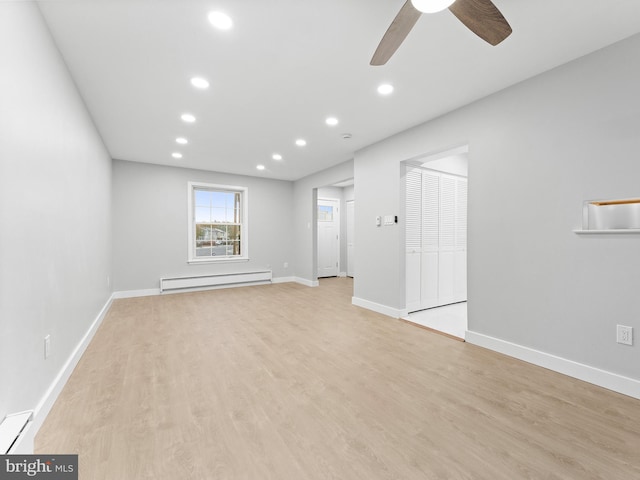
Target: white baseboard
[
  {"x": 602, "y": 378},
  {"x": 377, "y": 307},
  {"x": 342, "y": 274},
  {"x": 283, "y": 279},
  {"x": 14, "y": 427},
  {"x": 137, "y": 293},
  {"x": 307, "y": 283},
  {"x": 24, "y": 444}
]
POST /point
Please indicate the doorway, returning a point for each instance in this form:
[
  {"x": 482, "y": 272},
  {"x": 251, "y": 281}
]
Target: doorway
[
  {"x": 328, "y": 237},
  {"x": 436, "y": 241}
]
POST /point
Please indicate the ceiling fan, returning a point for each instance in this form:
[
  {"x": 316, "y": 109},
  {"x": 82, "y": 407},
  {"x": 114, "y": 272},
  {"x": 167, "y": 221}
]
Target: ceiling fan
[{"x": 482, "y": 17}]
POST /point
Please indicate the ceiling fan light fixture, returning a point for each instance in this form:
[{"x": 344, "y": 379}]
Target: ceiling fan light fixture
[{"x": 431, "y": 6}]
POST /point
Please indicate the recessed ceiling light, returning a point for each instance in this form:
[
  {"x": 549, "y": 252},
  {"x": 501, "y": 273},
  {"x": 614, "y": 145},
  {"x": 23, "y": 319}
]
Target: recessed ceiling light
[
  {"x": 220, "y": 20},
  {"x": 260, "y": 167},
  {"x": 182, "y": 140},
  {"x": 187, "y": 117},
  {"x": 331, "y": 121},
  {"x": 276, "y": 156},
  {"x": 199, "y": 82},
  {"x": 385, "y": 89},
  {"x": 301, "y": 142},
  {"x": 176, "y": 155}
]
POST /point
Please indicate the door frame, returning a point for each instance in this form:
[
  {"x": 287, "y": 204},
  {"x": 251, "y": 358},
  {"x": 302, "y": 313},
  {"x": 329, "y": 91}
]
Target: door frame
[
  {"x": 419, "y": 161},
  {"x": 350, "y": 259}
]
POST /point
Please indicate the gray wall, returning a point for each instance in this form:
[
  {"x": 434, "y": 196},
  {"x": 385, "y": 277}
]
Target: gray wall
[
  {"x": 304, "y": 226},
  {"x": 150, "y": 224},
  {"x": 536, "y": 152},
  {"x": 55, "y": 184}
]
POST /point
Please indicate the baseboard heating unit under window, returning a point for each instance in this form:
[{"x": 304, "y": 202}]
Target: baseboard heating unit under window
[{"x": 220, "y": 280}]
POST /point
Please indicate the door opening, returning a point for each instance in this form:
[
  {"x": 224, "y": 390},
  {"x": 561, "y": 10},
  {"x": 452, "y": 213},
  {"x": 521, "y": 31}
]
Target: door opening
[
  {"x": 436, "y": 241},
  {"x": 328, "y": 237}
]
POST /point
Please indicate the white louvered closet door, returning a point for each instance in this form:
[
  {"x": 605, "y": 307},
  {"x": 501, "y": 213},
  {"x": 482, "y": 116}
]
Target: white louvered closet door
[
  {"x": 413, "y": 237},
  {"x": 431, "y": 234},
  {"x": 436, "y": 223}
]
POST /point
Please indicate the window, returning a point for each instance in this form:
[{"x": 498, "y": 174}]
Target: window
[
  {"x": 325, "y": 213},
  {"x": 217, "y": 223}
]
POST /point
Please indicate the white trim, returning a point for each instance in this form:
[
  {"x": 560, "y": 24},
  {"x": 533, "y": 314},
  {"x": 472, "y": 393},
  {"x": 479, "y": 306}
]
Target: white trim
[
  {"x": 602, "y": 378},
  {"x": 342, "y": 274},
  {"x": 305, "y": 282},
  {"x": 24, "y": 444},
  {"x": 283, "y": 279},
  {"x": 377, "y": 307}
]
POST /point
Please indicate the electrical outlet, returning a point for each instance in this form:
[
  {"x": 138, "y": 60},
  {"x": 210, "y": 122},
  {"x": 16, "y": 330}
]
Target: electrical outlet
[
  {"x": 47, "y": 346},
  {"x": 625, "y": 335}
]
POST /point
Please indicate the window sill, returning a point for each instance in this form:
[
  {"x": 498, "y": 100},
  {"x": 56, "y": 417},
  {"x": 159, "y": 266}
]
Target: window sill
[{"x": 195, "y": 261}]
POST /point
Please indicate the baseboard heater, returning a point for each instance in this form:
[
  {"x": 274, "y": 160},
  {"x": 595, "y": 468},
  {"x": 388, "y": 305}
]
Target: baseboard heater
[{"x": 220, "y": 280}]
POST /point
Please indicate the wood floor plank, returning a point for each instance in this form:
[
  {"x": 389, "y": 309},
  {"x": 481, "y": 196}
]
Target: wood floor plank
[{"x": 289, "y": 382}]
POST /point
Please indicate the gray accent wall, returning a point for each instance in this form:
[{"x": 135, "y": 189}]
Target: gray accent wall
[
  {"x": 55, "y": 211},
  {"x": 150, "y": 224},
  {"x": 536, "y": 151}
]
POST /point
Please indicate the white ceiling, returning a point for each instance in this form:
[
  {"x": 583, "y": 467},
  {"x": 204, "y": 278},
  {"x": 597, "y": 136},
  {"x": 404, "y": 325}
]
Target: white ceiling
[{"x": 288, "y": 64}]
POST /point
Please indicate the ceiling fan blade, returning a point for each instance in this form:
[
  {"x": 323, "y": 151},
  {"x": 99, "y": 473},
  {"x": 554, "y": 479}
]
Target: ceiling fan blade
[
  {"x": 483, "y": 18},
  {"x": 396, "y": 33}
]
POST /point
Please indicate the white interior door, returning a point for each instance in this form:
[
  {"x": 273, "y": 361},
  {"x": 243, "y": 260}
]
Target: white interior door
[
  {"x": 350, "y": 237},
  {"x": 328, "y": 237}
]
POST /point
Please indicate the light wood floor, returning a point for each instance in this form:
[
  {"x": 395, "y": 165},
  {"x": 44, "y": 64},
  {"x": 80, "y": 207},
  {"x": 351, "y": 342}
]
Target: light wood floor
[{"x": 290, "y": 382}]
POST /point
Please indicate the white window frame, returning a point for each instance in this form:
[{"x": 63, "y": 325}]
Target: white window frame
[{"x": 244, "y": 224}]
